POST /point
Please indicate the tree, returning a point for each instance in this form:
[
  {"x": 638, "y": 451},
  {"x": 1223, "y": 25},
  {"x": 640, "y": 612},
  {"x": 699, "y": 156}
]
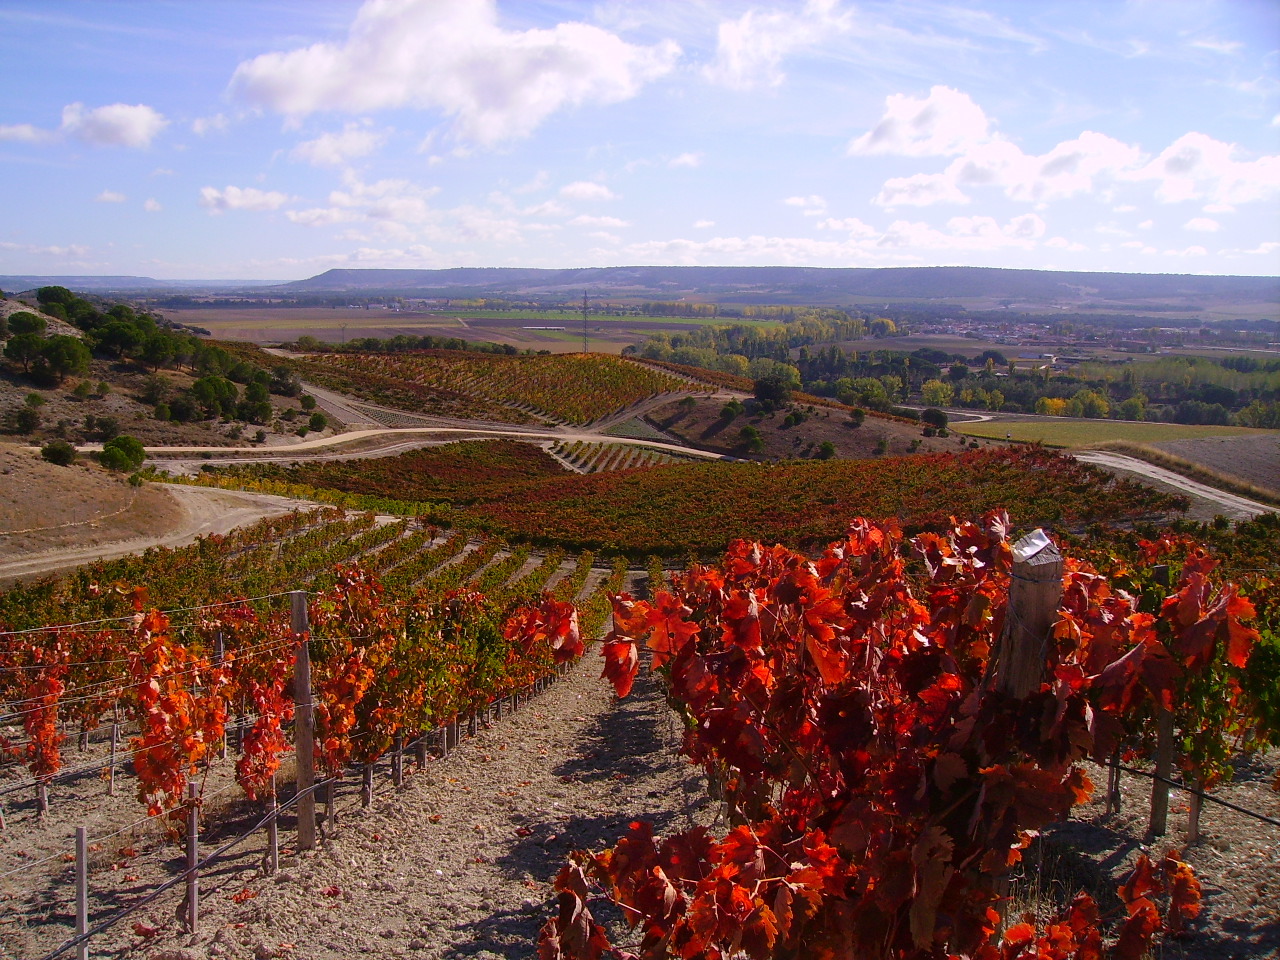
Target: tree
[
  {"x": 934, "y": 417},
  {"x": 122, "y": 453},
  {"x": 750, "y": 438},
  {"x": 64, "y": 355},
  {"x": 771, "y": 392},
  {"x": 732, "y": 409},
  {"x": 936, "y": 393},
  {"x": 307, "y": 401},
  {"x": 827, "y": 450},
  {"x": 24, "y": 348},
  {"x": 22, "y": 420},
  {"x": 158, "y": 350},
  {"x": 4, "y": 327},
  {"x": 60, "y": 452},
  {"x": 318, "y": 421},
  {"x": 25, "y": 322}
]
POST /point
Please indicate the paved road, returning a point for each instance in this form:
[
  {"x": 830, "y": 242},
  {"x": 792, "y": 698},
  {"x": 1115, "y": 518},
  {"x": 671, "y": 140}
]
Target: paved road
[{"x": 1231, "y": 506}]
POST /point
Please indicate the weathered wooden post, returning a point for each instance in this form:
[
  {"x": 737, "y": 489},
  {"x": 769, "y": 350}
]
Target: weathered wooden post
[
  {"x": 193, "y": 858},
  {"x": 1035, "y": 592},
  {"x": 397, "y": 763},
  {"x": 111, "y": 771},
  {"x": 366, "y": 785},
  {"x": 219, "y": 657},
  {"x": 1164, "y": 767},
  {"x": 1164, "y": 743},
  {"x": 82, "y": 891},
  {"x": 272, "y": 858},
  {"x": 304, "y": 724}
]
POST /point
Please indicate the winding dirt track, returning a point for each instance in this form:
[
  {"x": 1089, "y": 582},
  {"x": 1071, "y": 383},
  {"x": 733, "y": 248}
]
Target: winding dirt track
[
  {"x": 1228, "y": 504},
  {"x": 205, "y": 510}
]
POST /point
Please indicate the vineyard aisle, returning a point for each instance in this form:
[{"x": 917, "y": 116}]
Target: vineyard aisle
[
  {"x": 205, "y": 511},
  {"x": 460, "y": 861}
]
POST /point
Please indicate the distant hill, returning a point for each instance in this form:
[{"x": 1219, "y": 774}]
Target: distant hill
[
  {"x": 17, "y": 283},
  {"x": 801, "y": 284}
]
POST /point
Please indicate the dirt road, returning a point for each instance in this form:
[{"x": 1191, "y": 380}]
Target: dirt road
[
  {"x": 205, "y": 511},
  {"x": 1227, "y": 504}
]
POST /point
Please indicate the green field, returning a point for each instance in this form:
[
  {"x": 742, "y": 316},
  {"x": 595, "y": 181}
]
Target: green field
[{"x": 1064, "y": 432}]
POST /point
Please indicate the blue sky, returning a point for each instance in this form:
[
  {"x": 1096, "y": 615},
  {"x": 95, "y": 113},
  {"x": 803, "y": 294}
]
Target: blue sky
[{"x": 276, "y": 139}]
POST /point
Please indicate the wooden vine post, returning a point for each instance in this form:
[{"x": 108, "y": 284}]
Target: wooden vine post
[
  {"x": 304, "y": 724},
  {"x": 82, "y": 891},
  {"x": 1164, "y": 746},
  {"x": 1035, "y": 593},
  {"x": 192, "y": 918}
]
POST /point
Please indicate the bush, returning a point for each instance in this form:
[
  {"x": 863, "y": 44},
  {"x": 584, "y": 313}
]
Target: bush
[
  {"x": 22, "y": 420},
  {"x": 82, "y": 390},
  {"x": 308, "y": 402},
  {"x": 318, "y": 421},
  {"x": 934, "y": 417},
  {"x": 122, "y": 453},
  {"x": 827, "y": 450},
  {"x": 24, "y": 322},
  {"x": 59, "y": 452}
]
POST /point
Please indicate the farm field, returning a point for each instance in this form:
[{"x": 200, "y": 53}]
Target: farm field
[
  {"x": 1255, "y": 460},
  {"x": 1070, "y": 432},
  {"x": 271, "y": 324}
]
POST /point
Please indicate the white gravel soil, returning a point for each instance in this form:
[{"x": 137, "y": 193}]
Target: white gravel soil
[{"x": 460, "y": 861}]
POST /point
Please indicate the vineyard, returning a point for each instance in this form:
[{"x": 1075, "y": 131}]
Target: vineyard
[
  {"x": 585, "y": 457},
  {"x": 408, "y": 632},
  {"x": 698, "y": 508},
  {"x": 857, "y": 713},
  {"x": 570, "y": 388}
]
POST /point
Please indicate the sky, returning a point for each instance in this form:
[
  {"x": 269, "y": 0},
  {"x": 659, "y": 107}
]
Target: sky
[{"x": 277, "y": 139}]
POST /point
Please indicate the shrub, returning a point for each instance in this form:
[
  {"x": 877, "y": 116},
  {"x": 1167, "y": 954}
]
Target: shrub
[
  {"x": 122, "y": 453},
  {"x": 308, "y": 402},
  {"x": 22, "y": 420},
  {"x": 59, "y": 452},
  {"x": 827, "y": 450},
  {"x": 318, "y": 421}
]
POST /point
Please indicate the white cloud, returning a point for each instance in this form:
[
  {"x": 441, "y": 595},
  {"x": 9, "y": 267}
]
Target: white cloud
[
  {"x": 850, "y": 225},
  {"x": 750, "y": 50},
  {"x": 944, "y": 123},
  {"x": 241, "y": 198},
  {"x": 152, "y": 205},
  {"x": 1062, "y": 243},
  {"x": 947, "y": 123},
  {"x": 1202, "y": 225},
  {"x": 496, "y": 84},
  {"x": 812, "y": 205},
  {"x": 118, "y": 124},
  {"x": 70, "y": 250},
  {"x": 23, "y": 133},
  {"x": 586, "y": 221},
  {"x": 162, "y": 172},
  {"x": 686, "y": 160},
  {"x": 919, "y": 190},
  {"x": 1196, "y": 251},
  {"x": 1195, "y": 166},
  {"x": 586, "y": 190},
  {"x": 902, "y": 242},
  {"x": 1226, "y": 47},
  {"x": 202, "y": 125},
  {"x": 703, "y": 224},
  {"x": 1146, "y": 224},
  {"x": 110, "y": 196},
  {"x": 1266, "y": 248},
  {"x": 335, "y": 149}
]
